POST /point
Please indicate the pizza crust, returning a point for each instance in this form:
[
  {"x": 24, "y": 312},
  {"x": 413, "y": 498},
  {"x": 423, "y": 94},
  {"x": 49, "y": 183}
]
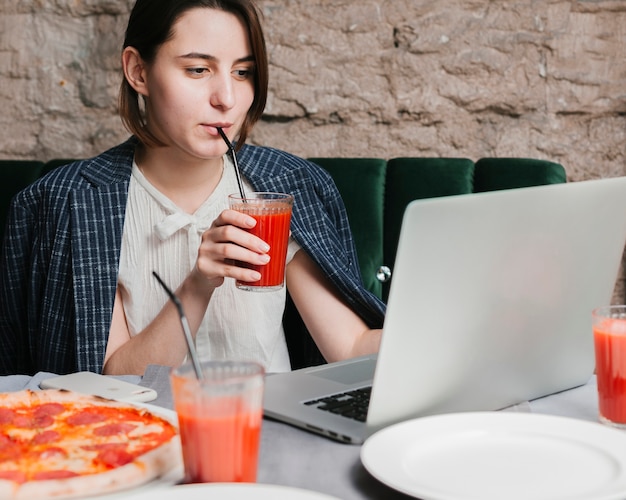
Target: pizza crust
[
  {"x": 150, "y": 466},
  {"x": 144, "y": 468}
]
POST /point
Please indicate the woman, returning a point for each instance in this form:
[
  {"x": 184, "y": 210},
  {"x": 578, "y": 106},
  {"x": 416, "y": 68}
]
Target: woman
[{"x": 77, "y": 286}]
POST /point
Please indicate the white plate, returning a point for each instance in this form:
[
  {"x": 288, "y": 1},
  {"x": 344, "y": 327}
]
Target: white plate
[
  {"x": 229, "y": 491},
  {"x": 496, "y": 455}
]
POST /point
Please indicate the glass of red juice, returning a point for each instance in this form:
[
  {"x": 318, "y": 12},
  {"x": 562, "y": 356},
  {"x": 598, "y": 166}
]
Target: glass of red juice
[
  {"x": 219, "y": 419},
  {"x": 272, "y": 212},
  {"x": 609, "y": 334}
]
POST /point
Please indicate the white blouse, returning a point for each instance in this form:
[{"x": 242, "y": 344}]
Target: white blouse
[{"x": 159, "y": 236}]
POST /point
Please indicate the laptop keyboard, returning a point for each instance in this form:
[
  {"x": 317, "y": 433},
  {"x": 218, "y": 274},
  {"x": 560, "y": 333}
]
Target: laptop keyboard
[{"x": 351, "y": 404}]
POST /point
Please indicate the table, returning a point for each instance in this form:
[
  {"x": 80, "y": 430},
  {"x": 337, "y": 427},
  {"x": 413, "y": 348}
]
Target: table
[{"x": 294, "y": 457}]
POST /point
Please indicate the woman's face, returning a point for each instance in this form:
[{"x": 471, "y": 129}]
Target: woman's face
[{"x": 202, "y": 78}]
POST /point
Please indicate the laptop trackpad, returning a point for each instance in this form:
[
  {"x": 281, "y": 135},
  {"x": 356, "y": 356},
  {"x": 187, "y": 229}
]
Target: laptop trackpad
[{"x": 351, "y": 373}]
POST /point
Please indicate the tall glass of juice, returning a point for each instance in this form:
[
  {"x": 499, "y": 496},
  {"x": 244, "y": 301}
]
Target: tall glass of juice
[
  {"x": 609, "y": 333},
  {"x": 219, "y": 419},
  {"x": 272, "y": 212}
]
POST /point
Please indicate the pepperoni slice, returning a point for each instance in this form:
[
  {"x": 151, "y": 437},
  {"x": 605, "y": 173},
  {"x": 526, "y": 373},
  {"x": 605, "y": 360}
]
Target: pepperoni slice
[
  {"x": 13, "y": 475},
  {"x": 86, "y": 417},
  {"x": 33, "y": 421},
  {"x": 51, "y": 409},
  {"x": 9, "y": 449},
  {"x": 46, "y": 437},
  {"x": 114, "y": 429},
  {"x": 104, "y": 446},
  {"x": 5, "y": 441},
  {"x": 6, "y": 415},
  {"x": 112, "y": 457},
  {"x": 54, "y": 474}
]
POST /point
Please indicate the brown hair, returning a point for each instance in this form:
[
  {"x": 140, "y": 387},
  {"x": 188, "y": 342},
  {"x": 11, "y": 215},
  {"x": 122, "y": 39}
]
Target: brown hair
[{"x": 150, "y": 25}]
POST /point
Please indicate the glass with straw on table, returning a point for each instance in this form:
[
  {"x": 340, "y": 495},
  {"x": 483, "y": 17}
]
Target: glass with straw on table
[
  {"x": 219, "y": 404},
  {"x": 220, "y": 419},
  {"x": 609, "y": 332}
]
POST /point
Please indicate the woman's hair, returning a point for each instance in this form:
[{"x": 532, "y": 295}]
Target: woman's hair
[{"x": 151, "y": 24}]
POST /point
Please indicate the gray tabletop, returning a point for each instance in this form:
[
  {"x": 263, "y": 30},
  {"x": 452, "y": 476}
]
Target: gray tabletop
[{"x": 293, "y": 457}]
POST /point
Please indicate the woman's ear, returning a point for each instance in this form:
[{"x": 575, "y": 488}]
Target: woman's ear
[{"x": 134, "y": 70}]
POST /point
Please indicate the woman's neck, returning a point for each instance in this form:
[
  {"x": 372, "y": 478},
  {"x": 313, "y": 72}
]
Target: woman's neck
[{"x": 188, "y": 182}]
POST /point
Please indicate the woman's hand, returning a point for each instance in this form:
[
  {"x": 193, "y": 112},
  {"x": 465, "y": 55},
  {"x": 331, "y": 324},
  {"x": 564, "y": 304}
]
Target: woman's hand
[{"x": 227, "y": 246}]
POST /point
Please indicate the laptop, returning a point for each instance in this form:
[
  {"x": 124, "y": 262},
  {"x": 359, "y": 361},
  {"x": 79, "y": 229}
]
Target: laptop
[{"x": 489, "y": 306}]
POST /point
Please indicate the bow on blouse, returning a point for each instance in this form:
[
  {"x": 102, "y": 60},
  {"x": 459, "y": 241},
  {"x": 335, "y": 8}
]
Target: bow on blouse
[{"x": 177, "y": 221}]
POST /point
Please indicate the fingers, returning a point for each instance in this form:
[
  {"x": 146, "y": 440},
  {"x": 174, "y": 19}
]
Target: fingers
[
  {"x": 235, "y": 218},
  {"x": 229, "y": 250},
  {"x": 233, "y": 227}
]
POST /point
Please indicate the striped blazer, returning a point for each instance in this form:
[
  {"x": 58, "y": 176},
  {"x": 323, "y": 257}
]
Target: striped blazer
[{"x": 60, "y": 258}]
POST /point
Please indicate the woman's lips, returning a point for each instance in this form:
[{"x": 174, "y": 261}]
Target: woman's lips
[{"x": 212, "y": 127}]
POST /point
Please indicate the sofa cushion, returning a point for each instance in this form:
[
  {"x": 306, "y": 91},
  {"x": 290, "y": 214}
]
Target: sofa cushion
[{"x": 491, "y": 174}]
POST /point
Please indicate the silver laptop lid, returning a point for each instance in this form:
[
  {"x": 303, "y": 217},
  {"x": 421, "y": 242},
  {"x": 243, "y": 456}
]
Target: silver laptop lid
[{"x": 491, "y": 297}]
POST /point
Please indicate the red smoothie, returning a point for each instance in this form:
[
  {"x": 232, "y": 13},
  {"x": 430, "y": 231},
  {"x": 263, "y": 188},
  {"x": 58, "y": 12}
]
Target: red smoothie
[
  {"x": 273, "y": 228},
  {"x": 219, "y": 448},
  {"x": 272, "y": 211},
  {"x": 610, "y": 348}
]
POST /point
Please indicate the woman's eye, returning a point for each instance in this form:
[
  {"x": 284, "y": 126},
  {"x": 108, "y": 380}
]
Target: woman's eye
[
  {"x": 197, "y": 71},
  {"x": 242, "y": 74}
]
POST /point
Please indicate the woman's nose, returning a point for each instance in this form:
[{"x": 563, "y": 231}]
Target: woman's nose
[{"x": 222, "y": 91}]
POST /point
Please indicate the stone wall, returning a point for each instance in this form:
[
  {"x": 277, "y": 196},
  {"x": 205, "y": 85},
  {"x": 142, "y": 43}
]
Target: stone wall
[
  {"x": 469, "y": 78},
  {"x": 379, "y": 78}
]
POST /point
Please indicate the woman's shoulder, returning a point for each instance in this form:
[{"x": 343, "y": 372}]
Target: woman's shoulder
[
  {"x": 271, "y": 161},
  {"x": 111, "y": 166}
]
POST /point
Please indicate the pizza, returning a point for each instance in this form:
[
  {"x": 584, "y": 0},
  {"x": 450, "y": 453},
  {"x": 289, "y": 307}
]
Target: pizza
[{"x": 61, "y": 444}]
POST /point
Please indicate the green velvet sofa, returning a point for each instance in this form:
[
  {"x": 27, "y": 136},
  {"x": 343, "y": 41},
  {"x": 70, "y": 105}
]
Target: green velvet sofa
[{"x": 375, "y": 192}]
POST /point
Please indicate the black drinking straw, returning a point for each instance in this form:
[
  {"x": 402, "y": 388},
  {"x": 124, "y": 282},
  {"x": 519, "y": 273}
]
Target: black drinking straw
[
  {"x": 234, "y": 157},
  {"x": 183, "y": 320}
]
